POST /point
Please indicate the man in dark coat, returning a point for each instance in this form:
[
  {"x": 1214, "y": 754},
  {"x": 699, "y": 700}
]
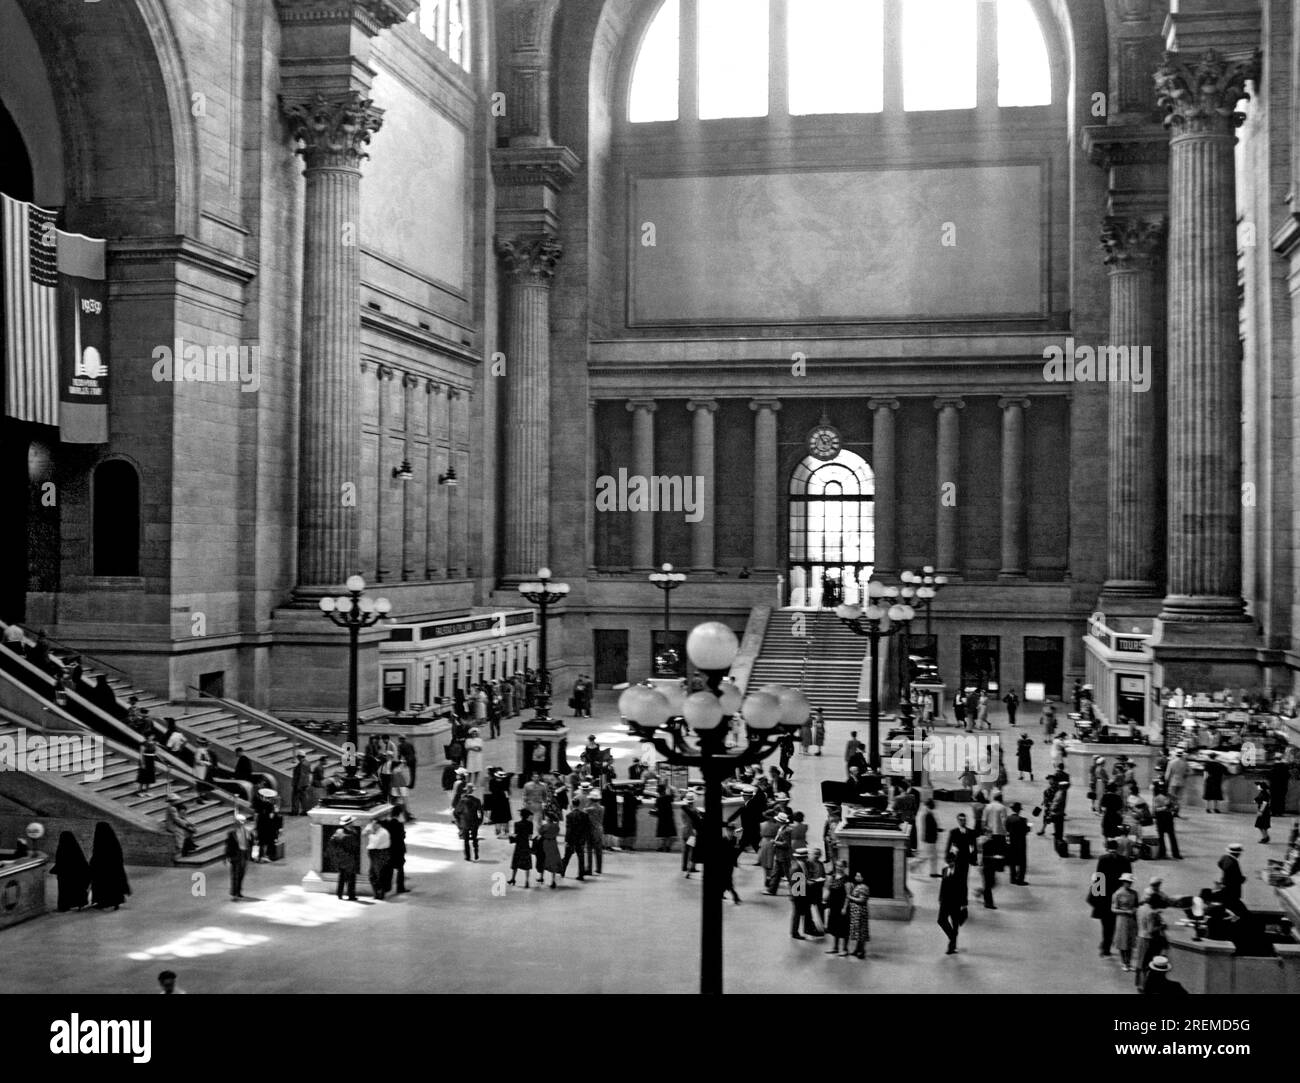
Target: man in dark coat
[
  {"x": 239, "y": 844},
  {"x": 961, "y": 849},
  {"x": 800, "y": 907},
  {"x": 576, "y": 827},
  {"x": 751, "y": 819},
  {"x": 1232, "y": 878},
  {"x": 300, "y": 782},
  {"x": 396, "y": 855},
  {"x": 692, "y": 824},
  {"x": 406, "y": 753},
  {"x": 952, "y": 902},
  {"x": 345, "y": 855},
  {"x": 469, "y": 817},
  {"x": 1013, "y": 704},
  {"x": 1018, "y": 829},
  {"x": 1105, "y": 882},
  {"x": 595, "y": 812},
  {"x": 1158, "y": 982}
]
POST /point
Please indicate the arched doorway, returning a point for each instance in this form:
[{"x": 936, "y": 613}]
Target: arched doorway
[{"x": 832, "y": 538}]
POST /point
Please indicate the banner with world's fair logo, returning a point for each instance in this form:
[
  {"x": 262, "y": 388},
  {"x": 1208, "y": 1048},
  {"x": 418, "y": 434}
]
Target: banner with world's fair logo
[{"x": 83, "y": 340}]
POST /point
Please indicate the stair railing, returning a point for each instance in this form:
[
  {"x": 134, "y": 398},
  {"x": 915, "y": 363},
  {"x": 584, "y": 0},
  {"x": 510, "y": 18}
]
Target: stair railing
[
  {"x": 96, "y": 662},
  {"x": 242, "y": 711}
]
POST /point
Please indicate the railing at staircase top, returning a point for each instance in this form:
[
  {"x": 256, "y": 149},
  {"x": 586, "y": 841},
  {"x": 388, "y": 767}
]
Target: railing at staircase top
[{"x": 96, "y": 662}]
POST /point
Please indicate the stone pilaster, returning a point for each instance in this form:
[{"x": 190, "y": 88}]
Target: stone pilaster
[
  {"x": 947, "y": 494},
  {"x": 643, "y": 463},
  {"x": 435, "y": 531},
  {"x": 1200, "y": 94},
  {"x": 383, "y": 477},
  {"x": 886, "y": 500},
  {"x": 457, "y": 519},
  {"x": 703, "y": 558},
  {"x": 412, "y": 505},
  {"x": 1014, "y": 556},
  {"x": 766, "y": 484},
  {"x": 530, "y": 263},
  {"x": 1131, "y": 246}
]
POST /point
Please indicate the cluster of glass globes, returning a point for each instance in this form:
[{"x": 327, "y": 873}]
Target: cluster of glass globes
[
  {"x": 365, "y": 603},
  {"x": 923, "y": 584},
  {"x": 712, "y": 647},
  {"x": 545, "y": 586},
  {"x": 882, "y": 605}
]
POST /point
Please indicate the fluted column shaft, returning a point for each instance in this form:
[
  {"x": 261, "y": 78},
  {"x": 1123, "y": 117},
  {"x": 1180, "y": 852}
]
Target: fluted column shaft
[
  {"x": 333, "y": 130},
  {"x": 703, "y": 557},
  {"x": 1013, "y": 486},
  {"x": 411, "y": 490},
  {"x": 947, "y": 463},
  {"x": 765, "y": 483},
  {"x": 643, "y": 463},
  {"x": 530, "y": 262},
  {"x": 1204, "y": 368},
  {"x": 383, "y": 477},
  {"x": 435, "y": 533},
  {"x": 885, "y": 468},
  {"x": 1130, "y": 246}
]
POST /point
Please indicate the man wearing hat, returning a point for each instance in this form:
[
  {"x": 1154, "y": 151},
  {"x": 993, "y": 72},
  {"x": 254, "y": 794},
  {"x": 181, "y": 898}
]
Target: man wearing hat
[
  {"x": 692, "y": 824},
  {"x": 780, "y": 869},
  {"x": 300, "y": 782},
  {"x": 345, "y": 855},
  {"x": 800, "y": 908},
  {"x": 1105, "y": 882},
  {"x": 595, "y": 813},
  {"x": 1176, "y": 777},
  {"x": 961, "y": 847},
  {"x": 1123, "y": 905},
  {"x": 1232, "y": 878},
  {"x": 1159, "y": 983},
  {"x": 238, "y": 846}
]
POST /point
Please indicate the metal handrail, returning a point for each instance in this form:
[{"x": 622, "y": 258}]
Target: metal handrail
[
  {"x": 98, "y": 662},
  {"x": 242, "y": 711}
]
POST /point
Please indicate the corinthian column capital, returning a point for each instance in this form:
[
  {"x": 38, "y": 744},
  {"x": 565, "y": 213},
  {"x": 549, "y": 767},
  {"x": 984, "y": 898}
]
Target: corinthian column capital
[
  {"x": 1130, "y": 241},
  {"x": 530, "y": 258},
  {"x": 1199, "y": 93},
  {"x": 333, "y": 129}
]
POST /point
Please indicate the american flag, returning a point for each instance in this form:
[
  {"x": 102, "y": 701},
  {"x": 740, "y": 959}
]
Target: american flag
[{"x": 31, "y": 279}]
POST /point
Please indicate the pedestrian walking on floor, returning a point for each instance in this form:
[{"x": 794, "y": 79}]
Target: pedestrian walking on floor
[
  {"x": 1025, "y": 757},
  {"x": 594, "y": 809},
  {"x": 576, "y": 827},
  {"x": 779, "y": 869},
  {"x": 959, "y": 710},
  {"x": 857, "y": 903},
  {"x": 989, "y": 876},
  {"x": 729, "y": 855},
  {"x": 1105, "y": 882},
  {"x": 961, "y": 848},
  {"x": 1263, "y": 810},
  {"x": 1176, "y": 778},
  {"x": 1150, "y": 927},
  {"x": 1124, "y": 905},
  {"x": 952, "y": 903},
  {"x": 469, "y": 817},
  {"x": 806, "y": 735},
  {"x": 1013, "y": 705},
  {"x": 396, "y": 855},
  {"x": 928, "y": 839},
  {"x": 1058, "y": 812},
  {"x": 799, "y": 903},
  {"x": 1163, "y": 814},
  {"x": 837, "y": 918},
  {"x": 522, "y": 837},
  {"x": 551, "y": 862},
  {"x": 665, "y": 824},
  {"x": 474, "y": 755},
  {"x": 1018, "y": 829},
  {"x": 692, "y": 822},
  {"x": 239, "y": 845},
  {"x": 1213, "y": 792},
  {"x": 819, "y": 730},
  {"x": 300, "y": 785},
  {"x": 345, "y": 854},
  {"x": 378, "y": 847}
]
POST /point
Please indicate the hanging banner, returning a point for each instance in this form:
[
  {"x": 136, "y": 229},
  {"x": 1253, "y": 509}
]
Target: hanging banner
[{"x": 83, "y": 340}]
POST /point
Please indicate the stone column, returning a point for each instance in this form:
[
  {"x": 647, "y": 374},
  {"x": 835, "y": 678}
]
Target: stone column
[
  {"x": 1199, "y": 93},
  {"x": 457, "y": 517},
  {"x": 590, "y": 502},
  {"x": 333, "y": 130},
  {"x": 530, "y": 264},
  {"x": 947, "y": 463},
  {"x": 703, "y": 558},
  {"x": 1013, "y": 487},
  {"x": 1130, "y": 245},
  {"x": 411, "y": 490},
  {"x": 884, "y": 466},
  {"x": 766, "y": 483},
  {"x": 383, "y": 475},
  {"x": 643, "y": 463},
  {"x": 435, "y": 535}
]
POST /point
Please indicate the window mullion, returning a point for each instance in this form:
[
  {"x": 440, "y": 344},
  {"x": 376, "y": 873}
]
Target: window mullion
[
  {"x": 986, "y": 60},
  {"x": 688, "y": 59},
  {"x": 893, "y": 102},
  {"x": 778, "y": 62}
]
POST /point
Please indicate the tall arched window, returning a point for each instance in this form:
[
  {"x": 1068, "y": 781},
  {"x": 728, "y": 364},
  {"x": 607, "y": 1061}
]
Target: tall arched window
[
  {"x": 446, "y": 24},
  {"x": 712, "y": 59},
  {"x": 115, "y": 515},
  {"x": 832, "y": 528}
]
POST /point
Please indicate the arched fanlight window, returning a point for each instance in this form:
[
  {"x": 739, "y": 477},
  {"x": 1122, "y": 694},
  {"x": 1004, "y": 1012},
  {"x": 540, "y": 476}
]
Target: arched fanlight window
[
  {"x": 832, "y": 534},
  {"x": 833, "y": 56}
]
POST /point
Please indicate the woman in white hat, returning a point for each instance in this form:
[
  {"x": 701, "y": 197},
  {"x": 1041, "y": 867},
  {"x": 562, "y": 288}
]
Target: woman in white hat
[
  {"x": 1124, "y": 904},
  {"x": 474, "y": 756}
]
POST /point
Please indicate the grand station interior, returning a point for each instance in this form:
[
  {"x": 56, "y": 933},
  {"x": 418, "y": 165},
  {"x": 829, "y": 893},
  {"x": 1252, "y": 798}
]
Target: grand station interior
[{"x": 363, "y": 354}]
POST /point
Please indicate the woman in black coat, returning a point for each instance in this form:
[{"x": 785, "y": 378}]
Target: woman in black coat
[
  {"x": 108, "y": 881},
  {"x": 72, "y": 870},
  {"x": 522, "y": 857},
  {"x": 498, "y": 801},
  {"x": 1264, "y": 810},
  {"x": 1112, "y": 812}
]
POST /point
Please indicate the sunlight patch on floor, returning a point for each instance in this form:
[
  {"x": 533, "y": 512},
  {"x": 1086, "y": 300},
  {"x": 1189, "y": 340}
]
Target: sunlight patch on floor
[{"x": 211, "y": 940}]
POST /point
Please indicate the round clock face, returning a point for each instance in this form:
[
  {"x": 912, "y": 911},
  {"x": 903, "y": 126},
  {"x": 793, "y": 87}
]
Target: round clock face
[{"x": 824, "y": 442}]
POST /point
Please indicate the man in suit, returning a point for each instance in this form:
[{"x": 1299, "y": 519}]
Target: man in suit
[
  {"x": 345, "y": 853},
  {"x": 595, "y": 811},
  {"x": 961, "y": 849},
  {"x": 469, "y": 817},
  {"x": 397, "y": 854},
  {"x": 239, "y": 845},
  {"x": 406, "y": 753},
  {"x": 1232, "y": 878},
  {"x": 692, "y": 824},
  {"x": 301, "y": 784},
  {"x": 1018, "y": 829},
  {"x": 1105, "y": 882},
  {"x": 1158, "y": 982},
  {"x": 854, "y": 754},
  {"x": 800, "y": 910},
  {"x": 1176, "y": 778},
  {"x": 952, "y": 901},
  {"x": 576, "y": 827},
  {"x": 1013, "y": 704}
]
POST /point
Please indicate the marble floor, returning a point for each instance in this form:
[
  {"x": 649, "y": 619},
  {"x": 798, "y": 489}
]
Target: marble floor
[{"x": 634, "y": 929}]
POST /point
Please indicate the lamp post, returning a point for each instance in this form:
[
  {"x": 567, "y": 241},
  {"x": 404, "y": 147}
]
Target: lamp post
[
  {"x": 712, "y": 647},
  {"x": 354, "y": 611},
  {"x": 927, "y": 585},
  {"x": 667, "y": 581},
  {"x": 874, "y": 622},
  {"x": 543, "y": 594}
]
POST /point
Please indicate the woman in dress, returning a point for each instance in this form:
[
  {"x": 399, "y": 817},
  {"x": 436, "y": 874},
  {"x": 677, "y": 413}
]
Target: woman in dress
[
  {"x": 108, "y": 881},
  {"x": 1124, "y": 904},
  {"x": 1263, "y": 809},
  {"x": 806, "y": 736},
  {"x": 837, "y": 921},
  {"x": 522, "y": 858},
  {"x": 550, "y": 832},
  {"x": 474, "y": 756},
  {"x": 72, "y": 872},
  {"x": 1214, "y": 772},
  {"x": 665, "y": 821},
  {"x": 859, "y": 924}
]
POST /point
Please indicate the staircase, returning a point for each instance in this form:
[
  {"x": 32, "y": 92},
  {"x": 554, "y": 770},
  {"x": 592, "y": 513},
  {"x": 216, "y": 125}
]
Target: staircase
[{"x": 826, "y": 662}]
